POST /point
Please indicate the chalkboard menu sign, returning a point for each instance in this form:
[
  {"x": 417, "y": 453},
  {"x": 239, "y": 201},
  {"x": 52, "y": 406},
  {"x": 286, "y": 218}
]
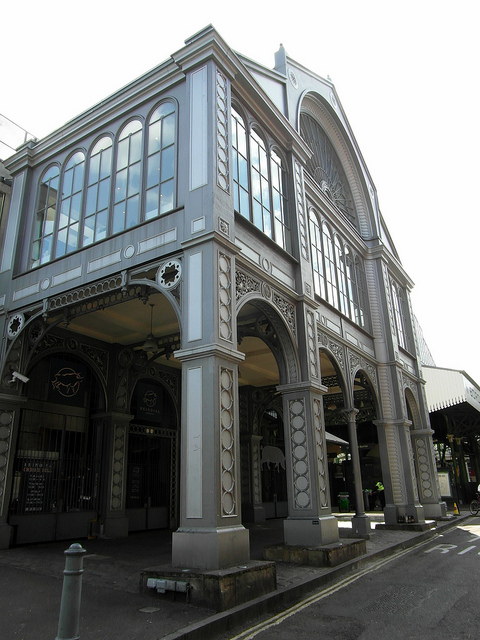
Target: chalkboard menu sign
[{"x": 36, "y": 485}]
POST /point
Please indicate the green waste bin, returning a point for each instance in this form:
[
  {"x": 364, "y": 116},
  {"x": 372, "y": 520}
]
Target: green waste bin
[{"x": 343, "y": 502}]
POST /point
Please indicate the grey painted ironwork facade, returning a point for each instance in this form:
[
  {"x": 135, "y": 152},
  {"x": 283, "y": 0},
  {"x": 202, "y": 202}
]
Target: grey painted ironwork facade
[{"x": 234, "y": 200}]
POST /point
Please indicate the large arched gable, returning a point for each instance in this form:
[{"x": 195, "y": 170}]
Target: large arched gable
[{"x": 314, "y": 106}]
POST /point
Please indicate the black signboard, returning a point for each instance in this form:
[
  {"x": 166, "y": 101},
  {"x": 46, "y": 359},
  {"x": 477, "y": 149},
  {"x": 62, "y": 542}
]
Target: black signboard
[
  {"x": 36, "y": 485},
  {"x": 149, "y": 402}
]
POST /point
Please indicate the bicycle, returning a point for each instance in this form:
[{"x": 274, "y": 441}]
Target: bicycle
[{"x": 475, "y": 505}]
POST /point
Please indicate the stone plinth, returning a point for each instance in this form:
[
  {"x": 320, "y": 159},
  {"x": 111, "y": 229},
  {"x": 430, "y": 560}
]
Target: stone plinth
[
  {"x": 329, "y": 555},
  {"x": 220, "y": 589},
  {"x": 411, "y": 526}
]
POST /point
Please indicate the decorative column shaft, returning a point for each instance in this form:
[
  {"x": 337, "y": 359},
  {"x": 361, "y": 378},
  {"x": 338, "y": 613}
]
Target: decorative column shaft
[{"x": 360, "y": 522}]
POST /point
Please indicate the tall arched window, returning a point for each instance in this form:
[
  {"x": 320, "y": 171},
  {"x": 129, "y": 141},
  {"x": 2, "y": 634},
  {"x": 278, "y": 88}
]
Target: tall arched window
[
  {"x": 45, "y": 215},
  {"x": 161, "y": 161},
  {"x": 399, "y": 319},
  {"x": 71, "y": 205},
  {"x": 330, "y": 269},
  {"x": 317, "y": 257},
  {"x": 341, "y": 276},
  {"x": 241, "y": 192},
  {"x": 338, "y": 275},
  {"x": 98, "y": 192},
  {"x": 259, "y": 180},
  {"x": 126, "y": 208}
]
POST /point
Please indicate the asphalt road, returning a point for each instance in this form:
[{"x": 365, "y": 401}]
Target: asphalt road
[{"x": 430, "y": 591}]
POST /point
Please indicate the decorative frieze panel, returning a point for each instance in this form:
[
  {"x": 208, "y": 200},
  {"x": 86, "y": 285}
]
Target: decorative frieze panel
[
  {"x": 246, "y": 284},
  {"x": 322, "y": 461},
  {"x": 427, "y": 483},
  {"x": 227, "y": 443},
  {"x": 225, "y": 297},
  {"x": 395, "y": 462},
  {"x": 117, "y": 496},
  {"x": 301, "y": 472},
  {"x": 356, "y": 362},
  {"x": 302, "y": 222},
  {"x": 312, "y": 345},
  {"x": 77, "y": 296},
  {"x": 6, "y": 430},
  {"x": 223, "y": 177},
  {"x": 336, "y": 349}
]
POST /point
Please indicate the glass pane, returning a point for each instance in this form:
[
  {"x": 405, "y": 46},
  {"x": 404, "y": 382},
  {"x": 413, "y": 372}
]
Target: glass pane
[
  {"x": 122, "y": 154},
  {"x": 267, "y": 223},
  {"x": 49, "y": 220},
  {"x": 93, "y": 170},
  {"x": 46, "y": 249},
  {"x": 151, "y": 204},
  {"x": 257, "y": 215},
  {"x": 136, "y": 147},
  {"x": 91, "y": 199},
  {"x": 76, "y": 206},
  {"x": 103, "y": 194},
  {"x": 265, "y": 194},
  {"x": 134, "y": 180},
  {"x": 61, "y": 243},
  {"x": 166, "y": 198},
  {"x": 88, "y": 230},
  {"x": 103, "y": 143},
  {"x": 102, "y": 221},
  {"x": 153, "y": 176},
  {"x": 64, "y": 213},
  {"x": 118, "y": 218},
  {"x": 263, "y": 163},
  {"x": 72, "y": 238},
  {"x": 67, "y": 182},
  {"x": 244, "y": 203},
  {"x": 106, "y": 162},
  {"x": 167, "y": 163},
  {"x": 256, "y": 185},
  {"x": 35, "y": 253},
  {"x": 168, "y": 126},
  {"x": 121, "y": 185},
  {"x": 132, "y": 211},
  {"x": 243, "y": 173},
  {"x": 130, "y": 128},
  {"x": 78, "y": 178},
  {"x": 154, "y": 134}
]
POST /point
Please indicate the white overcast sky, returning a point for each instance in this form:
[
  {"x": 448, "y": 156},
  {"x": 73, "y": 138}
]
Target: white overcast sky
[{"x": 407, "y": 74}]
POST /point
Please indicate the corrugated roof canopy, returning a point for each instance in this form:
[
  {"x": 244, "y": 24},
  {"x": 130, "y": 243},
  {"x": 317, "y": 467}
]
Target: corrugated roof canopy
[{"x": 449, "y": 387}]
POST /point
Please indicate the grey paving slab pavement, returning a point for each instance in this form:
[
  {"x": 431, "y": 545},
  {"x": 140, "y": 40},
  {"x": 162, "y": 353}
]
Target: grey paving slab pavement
[{"x": 112, "y": 606}]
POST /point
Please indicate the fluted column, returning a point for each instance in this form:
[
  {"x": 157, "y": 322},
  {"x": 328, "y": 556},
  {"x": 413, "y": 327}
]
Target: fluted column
[{"x": 360, "y": 521}]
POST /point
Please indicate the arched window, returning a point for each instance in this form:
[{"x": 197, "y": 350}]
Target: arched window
[
  {"x": 126, "y": 208},
  {"x": 317, "y": 256},
  {"x": 399, "y": 316},
  {"x": 98, "y": 192},
  {"x": 45, "y": 216},
  {"x": 341, "y": 276},
  {"x": 71, "y": 205},
  {"x": 241, "y": 192},
  {"x": 363, "y": 316},
  {"x": 282, "y": 235},
  {"x": 259, "y": 182},
  {"x": 262, "y": 216},
  {"x": 161, "y": 161},
  {"x": 330, "y": 268}
]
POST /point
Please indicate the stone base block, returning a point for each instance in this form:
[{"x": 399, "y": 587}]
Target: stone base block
[
  {"x": 310, "y": 532},
  {"x": 329, "y": 555},
  {"x": 411, "y": 526},
  {"x": 221, "y": 589},
  {"x": 210, "y": 549}
]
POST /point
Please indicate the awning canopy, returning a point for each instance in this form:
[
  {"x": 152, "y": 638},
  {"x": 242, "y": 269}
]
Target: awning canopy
[
  {"x": 448, "y": 387},
  {"x": 331, "y": 438}
]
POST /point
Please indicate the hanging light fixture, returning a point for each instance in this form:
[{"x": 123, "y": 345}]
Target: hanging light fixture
[{"x": 150, "y": 345}]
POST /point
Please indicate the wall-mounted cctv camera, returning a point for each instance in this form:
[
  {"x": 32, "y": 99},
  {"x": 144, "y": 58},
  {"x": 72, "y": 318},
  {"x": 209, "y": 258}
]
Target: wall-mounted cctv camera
[{"x": 18, "y": 376}]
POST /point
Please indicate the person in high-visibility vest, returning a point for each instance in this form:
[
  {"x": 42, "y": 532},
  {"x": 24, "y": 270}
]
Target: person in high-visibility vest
[{"x": 379, "y": 492}]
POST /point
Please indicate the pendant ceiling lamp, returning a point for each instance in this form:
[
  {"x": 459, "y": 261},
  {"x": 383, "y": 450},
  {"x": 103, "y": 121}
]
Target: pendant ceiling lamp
[{"x": 150, "y": 345}]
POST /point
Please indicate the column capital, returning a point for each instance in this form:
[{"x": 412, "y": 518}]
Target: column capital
[
  {"x": 208, "y": 350},
  {"x": 351, "y": 413},
  {"x": 308, "y": 385}
]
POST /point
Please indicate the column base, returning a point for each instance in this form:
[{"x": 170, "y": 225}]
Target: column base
[
  {"x": 311, "y": 532},
  {"x": 210, "y": 549},
  {"x": 435, "y": 511},
  {"x": 361, "y": 526},
  {"x": 399, "y": 514}
]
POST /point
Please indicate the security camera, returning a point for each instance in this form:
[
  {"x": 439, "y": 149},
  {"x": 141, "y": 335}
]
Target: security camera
[{"x": 18, "y": 376}]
